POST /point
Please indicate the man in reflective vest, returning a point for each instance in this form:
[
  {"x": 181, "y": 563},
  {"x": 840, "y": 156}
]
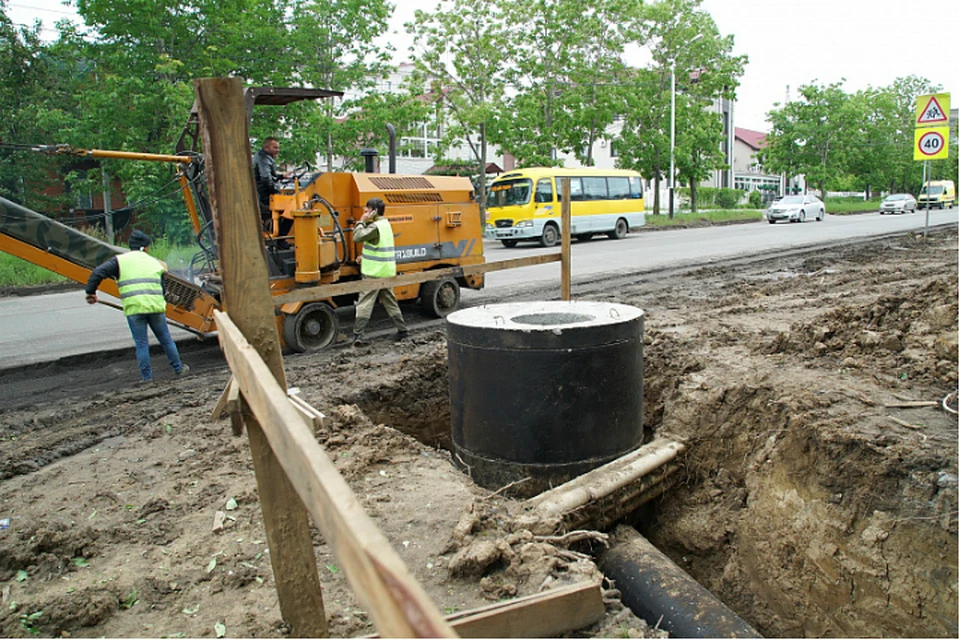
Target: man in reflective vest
[
  {"x": 378, "y": 261},
  {"x": 139, "y": 278}
]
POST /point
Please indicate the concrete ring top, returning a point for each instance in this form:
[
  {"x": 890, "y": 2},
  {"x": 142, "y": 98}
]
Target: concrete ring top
[{"x": 550, "y": 316}]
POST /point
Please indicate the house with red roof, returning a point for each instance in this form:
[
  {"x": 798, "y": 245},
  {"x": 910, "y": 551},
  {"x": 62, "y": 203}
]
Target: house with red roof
[{"x": 748, "y": 171}]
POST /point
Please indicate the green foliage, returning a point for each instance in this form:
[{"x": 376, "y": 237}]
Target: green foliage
[
  {"x": 28, "y": 622},
  {"x": 755, "y": 199},
  {"x": 15, "y": 272},
  {"x": 728, "y": 198},
  {"x": 861, "y": 141},
  {"x": 838, "y": 206},
  {"x": 716, "y": 216},
  {"x": 683, "y": 38}
]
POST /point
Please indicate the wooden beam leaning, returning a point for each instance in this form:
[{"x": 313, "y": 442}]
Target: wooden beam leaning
[
  {"x": 395, "y": 602},
  {"x": 246, "y": 296},
  {"x": 358, "y": 286}
]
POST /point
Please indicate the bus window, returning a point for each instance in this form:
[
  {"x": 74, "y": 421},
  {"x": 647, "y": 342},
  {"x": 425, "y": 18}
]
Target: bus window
[
  {"x": 544, "y": 190},
  {"x": 594, "y": 188},
  {"x": 576, "y": 189},
  {"x": 619, "y": 188},
  {"x": 510, "y": 192},
  {"x": 636, "y": 189}
]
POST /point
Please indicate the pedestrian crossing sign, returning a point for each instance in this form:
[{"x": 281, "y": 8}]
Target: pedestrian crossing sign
[{"x": 933, "y": 110}]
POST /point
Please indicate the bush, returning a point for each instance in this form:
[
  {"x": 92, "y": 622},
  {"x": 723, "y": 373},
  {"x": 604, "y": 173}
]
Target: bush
[
  {"x": 728, "y": 198},
  {"x": 755, "y": 199}
]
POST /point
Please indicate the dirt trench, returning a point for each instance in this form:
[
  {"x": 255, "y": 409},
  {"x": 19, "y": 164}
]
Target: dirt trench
[{"x": 809, "y": 504}]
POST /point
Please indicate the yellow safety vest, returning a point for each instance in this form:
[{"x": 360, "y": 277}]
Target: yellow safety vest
[
  {"x": 379, "y": 259},
  {"x": 140, "y": 285}
]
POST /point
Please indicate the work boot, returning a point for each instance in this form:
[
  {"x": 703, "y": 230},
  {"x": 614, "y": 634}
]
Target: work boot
[
  {"x": 145, "y": 382},
  {"x": 402, "y": 334},
  {"x": 184, "y": 370},
  {"x": 358, "y": 341}
]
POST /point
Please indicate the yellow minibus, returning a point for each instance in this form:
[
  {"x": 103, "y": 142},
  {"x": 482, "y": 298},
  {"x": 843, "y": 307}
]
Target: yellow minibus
[{"x": 524, "y": 204}]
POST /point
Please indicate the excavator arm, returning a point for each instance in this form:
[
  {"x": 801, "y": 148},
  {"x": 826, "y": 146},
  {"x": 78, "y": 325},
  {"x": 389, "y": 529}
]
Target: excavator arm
[{"x": 42, "y": 241}]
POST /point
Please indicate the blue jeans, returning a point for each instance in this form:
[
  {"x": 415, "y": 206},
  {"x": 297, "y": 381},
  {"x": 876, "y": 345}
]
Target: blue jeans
[{"x": 158, "y": 324}]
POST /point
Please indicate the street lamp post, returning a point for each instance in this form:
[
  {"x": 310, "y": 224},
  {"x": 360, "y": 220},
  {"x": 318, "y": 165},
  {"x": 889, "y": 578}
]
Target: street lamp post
[
  {"x": 673, "y": 124},
  {"x": 673, "y": 133}
]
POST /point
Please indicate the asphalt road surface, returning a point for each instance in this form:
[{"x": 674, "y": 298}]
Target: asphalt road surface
[{"x": 45, "y": 328}]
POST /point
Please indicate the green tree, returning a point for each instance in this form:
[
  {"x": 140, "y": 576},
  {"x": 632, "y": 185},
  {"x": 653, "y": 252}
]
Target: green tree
[
  {"x": 556, "y": 104},
  {"x": 461, "y": 51},
  {"x": 813, "y": 136},
  {"x": 898, "y": 103},
  {"x": 332, "y": 47},
  {"x": 682, "y": 37},
  {"x": 24, "y": 72}
]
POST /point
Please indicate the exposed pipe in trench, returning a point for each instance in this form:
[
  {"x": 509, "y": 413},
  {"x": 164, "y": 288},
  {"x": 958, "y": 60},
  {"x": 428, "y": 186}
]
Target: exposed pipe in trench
[{"x": 663, "y": 594}]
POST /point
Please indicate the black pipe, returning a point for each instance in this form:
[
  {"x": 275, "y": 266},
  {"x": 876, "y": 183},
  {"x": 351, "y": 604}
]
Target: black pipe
[
  {"x": 393, "y": 147},
  {"x": 369, "y": 157},
  {"x": 663, "y": 594}
]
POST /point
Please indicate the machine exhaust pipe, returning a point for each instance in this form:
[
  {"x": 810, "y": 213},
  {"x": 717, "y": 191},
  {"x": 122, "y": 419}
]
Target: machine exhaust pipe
[
  {"x": 369, "y": 159},
  {"x": 392, "y": 131}
]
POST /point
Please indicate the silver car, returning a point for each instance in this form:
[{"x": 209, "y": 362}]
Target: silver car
[
  {"x": 796, "y": 209},
  {"x": 898, "y": 203}
]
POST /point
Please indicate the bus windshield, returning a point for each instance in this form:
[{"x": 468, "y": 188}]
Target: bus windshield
[
  {"x": 510, "y": 193},
  {"x": 933, "y": 190}
]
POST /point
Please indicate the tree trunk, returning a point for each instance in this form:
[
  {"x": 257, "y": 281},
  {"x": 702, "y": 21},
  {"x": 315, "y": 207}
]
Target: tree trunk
[
  {"x": 693, "y": 197},
  {"x": 656, "y": 194}
]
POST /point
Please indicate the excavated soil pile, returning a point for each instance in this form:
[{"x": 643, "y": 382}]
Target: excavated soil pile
[{"x": 819, "y": 494}]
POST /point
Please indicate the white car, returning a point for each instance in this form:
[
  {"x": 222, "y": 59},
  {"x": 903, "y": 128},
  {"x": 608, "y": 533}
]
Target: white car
[
  {"x": 796, "y": 209},
  {"x": 898, "y": 203}
]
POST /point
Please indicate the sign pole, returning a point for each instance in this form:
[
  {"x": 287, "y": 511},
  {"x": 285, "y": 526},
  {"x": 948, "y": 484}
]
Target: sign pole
[{"x": 926, "y": 179}]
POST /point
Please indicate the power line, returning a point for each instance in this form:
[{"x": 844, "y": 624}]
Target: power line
[{"x": 33, "y": 8}]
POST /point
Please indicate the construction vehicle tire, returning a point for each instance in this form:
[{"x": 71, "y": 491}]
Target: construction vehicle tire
[
  {"x": 440, "y": 297},
  {"x": 315, "y": 326}
]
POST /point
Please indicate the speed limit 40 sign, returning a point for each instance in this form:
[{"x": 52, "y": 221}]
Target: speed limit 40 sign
[{"x": 931, "y": 143}]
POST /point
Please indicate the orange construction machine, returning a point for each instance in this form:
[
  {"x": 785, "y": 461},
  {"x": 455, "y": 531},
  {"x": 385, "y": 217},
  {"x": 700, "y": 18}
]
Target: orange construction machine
[{"x": 436, "y": 223}]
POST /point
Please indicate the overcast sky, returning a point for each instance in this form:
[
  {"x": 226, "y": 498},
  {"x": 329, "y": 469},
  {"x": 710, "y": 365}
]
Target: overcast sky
[{"x": 789, "y": 43}]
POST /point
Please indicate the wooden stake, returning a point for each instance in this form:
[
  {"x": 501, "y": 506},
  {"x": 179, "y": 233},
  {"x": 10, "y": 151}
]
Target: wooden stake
[
  {"x": 395, "y": 601},
  {"x": 246, "y": 297}
]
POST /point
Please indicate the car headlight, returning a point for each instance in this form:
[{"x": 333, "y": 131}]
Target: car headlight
[{"x": 524, "y": 223}]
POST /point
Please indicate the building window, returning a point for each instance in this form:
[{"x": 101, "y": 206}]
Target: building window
[{"x": 614, "y": 152}]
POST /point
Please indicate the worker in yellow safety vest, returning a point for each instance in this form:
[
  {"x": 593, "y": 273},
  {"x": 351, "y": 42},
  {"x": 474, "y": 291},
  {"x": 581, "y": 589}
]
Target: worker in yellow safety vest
[
  {"x": 378, "y": 261},
  {"x": 139, "y": 278}
]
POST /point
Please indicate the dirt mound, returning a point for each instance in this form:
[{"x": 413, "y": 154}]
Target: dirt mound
[
  {"x": 818, "y": 497},
  {"x": 906, "y": 336}
]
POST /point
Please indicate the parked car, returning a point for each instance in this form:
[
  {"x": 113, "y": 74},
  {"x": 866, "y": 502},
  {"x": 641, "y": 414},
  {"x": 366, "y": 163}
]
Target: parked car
[
  {"x": 796, "y": 209},
  {"x": 898, "y": 203}
]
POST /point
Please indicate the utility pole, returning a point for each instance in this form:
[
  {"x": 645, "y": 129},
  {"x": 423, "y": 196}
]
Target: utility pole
[
  {"x": 107, "y": 210},
  {"x": 673, "y": 133}
]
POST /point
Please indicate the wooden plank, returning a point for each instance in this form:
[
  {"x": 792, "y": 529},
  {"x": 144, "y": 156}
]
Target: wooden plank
[
  {"x": 313, "y": 415},
  {"x": 541, "y": 615},
  {"x": 246, "y": 296},
  {"x": 330, "y": 290},
  {"x": 566, "y": 221},
  {"x": 911, "y": 405},
  {"x": 395, "y": 602},
  {"x": 229, "y": 398}
]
